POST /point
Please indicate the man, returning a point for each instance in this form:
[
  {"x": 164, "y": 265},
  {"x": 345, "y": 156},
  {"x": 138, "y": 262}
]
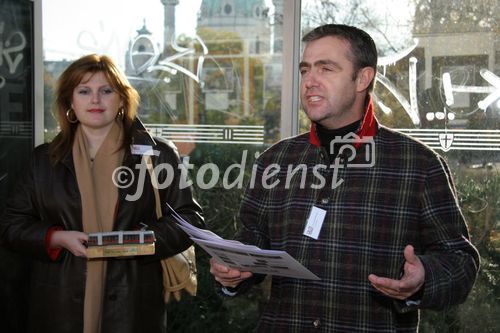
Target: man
[{"x": 392, "y": 239}]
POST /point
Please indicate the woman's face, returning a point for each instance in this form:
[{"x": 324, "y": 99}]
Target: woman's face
[{"x": 95, "y": 102}]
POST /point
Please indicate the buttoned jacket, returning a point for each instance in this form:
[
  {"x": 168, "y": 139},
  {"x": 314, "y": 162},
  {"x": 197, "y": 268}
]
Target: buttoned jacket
[{"x": 389, "y": 192}]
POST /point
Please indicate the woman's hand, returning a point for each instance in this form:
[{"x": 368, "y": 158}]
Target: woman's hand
[{"x": 73, "y": 241}]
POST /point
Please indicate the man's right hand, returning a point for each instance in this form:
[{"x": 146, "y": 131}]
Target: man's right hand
[{"x": 228, "y": 277}]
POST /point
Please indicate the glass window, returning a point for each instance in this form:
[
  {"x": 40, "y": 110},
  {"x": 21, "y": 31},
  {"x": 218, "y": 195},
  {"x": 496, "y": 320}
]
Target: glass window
[
  {"x": 438, "y": 80},
  {"x": 16, "y": 142},
  {"x": 209, "y": 76},
  {"x": 16, "y": 91},
  {"x": 209, "y": 73}
]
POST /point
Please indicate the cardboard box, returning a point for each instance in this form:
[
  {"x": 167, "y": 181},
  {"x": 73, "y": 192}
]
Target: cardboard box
[{"x": 120, "y": 250}]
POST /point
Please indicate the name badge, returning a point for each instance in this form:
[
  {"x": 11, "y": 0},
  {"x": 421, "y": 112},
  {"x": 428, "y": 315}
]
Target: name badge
[
  {"x": 314, "y": 222},
  {"x": 142, "y": 150}
]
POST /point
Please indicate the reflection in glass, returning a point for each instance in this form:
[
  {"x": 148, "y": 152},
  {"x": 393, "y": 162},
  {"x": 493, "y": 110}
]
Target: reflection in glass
[
  {"x": 432, "y": 56},
  {"x": 214, "y": 72}
]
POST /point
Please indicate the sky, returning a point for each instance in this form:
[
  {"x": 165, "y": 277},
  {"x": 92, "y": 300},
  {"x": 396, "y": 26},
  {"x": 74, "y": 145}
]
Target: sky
[{"x": 72, "y": 28}]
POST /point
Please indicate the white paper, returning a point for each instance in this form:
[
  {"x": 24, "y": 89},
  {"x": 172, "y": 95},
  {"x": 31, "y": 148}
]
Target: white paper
[
  {"x": 253, "y": 259},
  {"x": 245, "y": 257}
]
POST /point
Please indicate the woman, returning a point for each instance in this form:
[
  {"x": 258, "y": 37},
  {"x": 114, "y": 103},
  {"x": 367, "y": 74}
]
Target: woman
[{"x": 70, "y": 191}]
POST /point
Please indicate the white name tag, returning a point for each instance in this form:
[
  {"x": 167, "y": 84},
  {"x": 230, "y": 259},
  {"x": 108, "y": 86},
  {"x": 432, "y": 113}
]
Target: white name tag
[
  {"x": 314, "y": 222},
  {"x": 143, "y": 150}
]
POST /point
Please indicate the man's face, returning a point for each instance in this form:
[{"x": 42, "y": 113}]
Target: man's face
[{"x": 328, "y": 92}]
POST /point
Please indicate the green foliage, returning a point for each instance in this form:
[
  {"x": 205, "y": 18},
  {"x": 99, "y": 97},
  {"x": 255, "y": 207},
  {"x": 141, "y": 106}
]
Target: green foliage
[
  {"x": 480, "y": 311},
  {"x": 221, "y": 41},
  {"x": 479, "y": 194},
  {"x": 209, "y": 311}
]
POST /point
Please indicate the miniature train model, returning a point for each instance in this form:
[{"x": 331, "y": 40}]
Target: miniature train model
[{"x": 120, "y": 243}]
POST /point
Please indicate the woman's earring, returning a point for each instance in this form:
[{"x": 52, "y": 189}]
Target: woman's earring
[
  {"x": 68, "y": 116},
  {"x": 121, "y": 113}
]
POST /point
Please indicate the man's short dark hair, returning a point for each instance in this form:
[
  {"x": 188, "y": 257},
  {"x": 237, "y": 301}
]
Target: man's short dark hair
[{"x": 363, "y": 48}]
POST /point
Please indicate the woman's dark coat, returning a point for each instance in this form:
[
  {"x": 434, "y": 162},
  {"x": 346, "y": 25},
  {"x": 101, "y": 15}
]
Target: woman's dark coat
[{"x": 48, "y": 196}]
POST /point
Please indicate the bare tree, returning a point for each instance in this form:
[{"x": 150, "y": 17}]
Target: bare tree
[
  {"x": 444, "y": 16},
  {"x": 389, "y": 22}
]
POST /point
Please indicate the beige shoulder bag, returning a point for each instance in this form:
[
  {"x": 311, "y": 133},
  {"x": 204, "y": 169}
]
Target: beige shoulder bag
[{"x": 179, "y": 271}]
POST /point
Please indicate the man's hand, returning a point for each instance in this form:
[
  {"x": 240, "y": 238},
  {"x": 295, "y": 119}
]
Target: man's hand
[
  {"x": 411, "y": 281},
  {"x": 72, "y": 241},
  {"x": 226, "y": 276}
]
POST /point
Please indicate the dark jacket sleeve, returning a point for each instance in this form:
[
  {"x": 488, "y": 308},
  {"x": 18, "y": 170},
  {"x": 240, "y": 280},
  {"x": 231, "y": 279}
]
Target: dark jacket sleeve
[
  {"x": 22, "y": 228},
  {"x": 451, "y": 262}
]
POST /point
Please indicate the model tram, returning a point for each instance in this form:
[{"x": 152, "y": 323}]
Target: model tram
[{"x": 120, "y": 243}]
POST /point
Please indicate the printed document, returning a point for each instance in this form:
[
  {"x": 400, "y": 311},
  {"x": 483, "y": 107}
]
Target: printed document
[{"x": 244, "y": 257}]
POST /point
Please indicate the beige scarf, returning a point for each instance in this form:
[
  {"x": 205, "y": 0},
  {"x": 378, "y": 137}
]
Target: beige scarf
[{"x": 99, "y": 199}]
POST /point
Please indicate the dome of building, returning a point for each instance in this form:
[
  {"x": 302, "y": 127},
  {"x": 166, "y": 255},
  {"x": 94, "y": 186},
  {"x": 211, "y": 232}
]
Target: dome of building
[{"x": 233, "y": 8}]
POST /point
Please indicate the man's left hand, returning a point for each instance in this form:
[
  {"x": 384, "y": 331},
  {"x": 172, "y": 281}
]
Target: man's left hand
[{"x": 410, "y": 283}]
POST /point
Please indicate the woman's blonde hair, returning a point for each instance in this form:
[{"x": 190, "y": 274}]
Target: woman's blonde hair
[{"x": 66, "y": 84}]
